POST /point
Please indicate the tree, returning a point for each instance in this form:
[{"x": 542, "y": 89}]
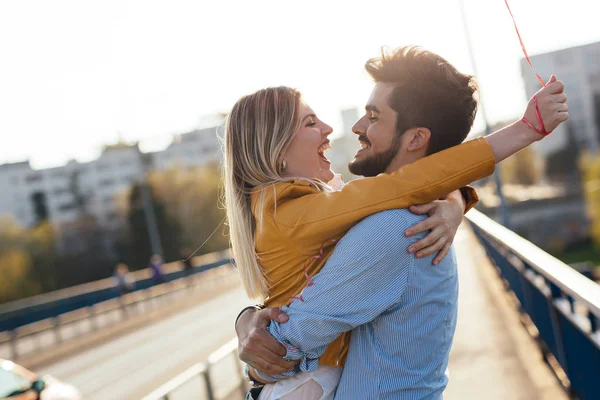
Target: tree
[
  {"x": 524, "y": 168},
  {"x": 192, "y": 197},
  {"x": 139, "y": 239},
  {"x": 590, "y": 168},
  {"x": 27, "y": 260}
]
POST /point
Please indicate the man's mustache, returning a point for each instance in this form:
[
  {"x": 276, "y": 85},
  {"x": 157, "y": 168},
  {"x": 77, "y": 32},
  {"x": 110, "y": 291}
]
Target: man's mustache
[{"x": 363, "y": 138}]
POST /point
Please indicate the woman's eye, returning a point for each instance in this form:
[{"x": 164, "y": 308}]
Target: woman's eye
[{"x": 311, "y": 123}]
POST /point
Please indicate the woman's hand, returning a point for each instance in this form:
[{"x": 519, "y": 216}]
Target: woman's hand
[{"x": 444, "y": 219}]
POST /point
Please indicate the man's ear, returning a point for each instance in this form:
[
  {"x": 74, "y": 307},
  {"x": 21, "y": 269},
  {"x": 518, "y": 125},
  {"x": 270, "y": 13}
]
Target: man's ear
[{"x": 419, "y": 139}]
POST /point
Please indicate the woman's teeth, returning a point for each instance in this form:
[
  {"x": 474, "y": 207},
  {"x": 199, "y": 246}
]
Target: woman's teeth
[{"x": 323, "y": 149}]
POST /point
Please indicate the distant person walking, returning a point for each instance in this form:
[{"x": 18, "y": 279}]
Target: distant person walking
[
  {"x": 125, "y": 283},
  {"x": 156, "y": 263}
]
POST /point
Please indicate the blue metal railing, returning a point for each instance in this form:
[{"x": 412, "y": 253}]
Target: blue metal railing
[
  {"x": 26, "y": 311},
  {"x": 563, "y": 304}
]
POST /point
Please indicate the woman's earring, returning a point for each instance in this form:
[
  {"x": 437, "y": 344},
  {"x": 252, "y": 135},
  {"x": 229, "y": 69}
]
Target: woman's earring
[{"x": 284, "y": 165}]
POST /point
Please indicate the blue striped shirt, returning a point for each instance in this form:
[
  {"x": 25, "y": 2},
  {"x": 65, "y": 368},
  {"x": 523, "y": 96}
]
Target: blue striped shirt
[{"x": 402, "y": 312}]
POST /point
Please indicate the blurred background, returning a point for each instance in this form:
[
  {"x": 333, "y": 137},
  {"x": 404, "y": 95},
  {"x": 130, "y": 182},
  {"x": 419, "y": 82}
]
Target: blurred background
[{"x": 111, "y": 114}]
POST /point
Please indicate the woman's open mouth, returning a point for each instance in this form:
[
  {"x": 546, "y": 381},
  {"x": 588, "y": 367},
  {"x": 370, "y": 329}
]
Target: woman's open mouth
[{"x": 322, "y": 149}]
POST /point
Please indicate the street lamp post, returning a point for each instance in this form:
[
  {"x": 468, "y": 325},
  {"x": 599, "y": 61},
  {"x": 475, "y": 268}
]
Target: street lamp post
[
  {"x": 497, "y": 177},
  {"x": 148, "y": 207}
]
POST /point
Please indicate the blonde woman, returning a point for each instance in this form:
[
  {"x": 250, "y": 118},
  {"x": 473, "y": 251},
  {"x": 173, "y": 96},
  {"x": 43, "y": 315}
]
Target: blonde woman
[{"x": 285, "y": 219}]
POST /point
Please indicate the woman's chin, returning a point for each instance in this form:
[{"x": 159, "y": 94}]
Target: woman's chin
[{"x": 327, "y": 176}]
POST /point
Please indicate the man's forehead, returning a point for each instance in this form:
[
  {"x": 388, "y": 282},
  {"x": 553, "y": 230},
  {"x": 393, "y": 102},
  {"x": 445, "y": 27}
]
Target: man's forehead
[{"x": 379, "y": 97}]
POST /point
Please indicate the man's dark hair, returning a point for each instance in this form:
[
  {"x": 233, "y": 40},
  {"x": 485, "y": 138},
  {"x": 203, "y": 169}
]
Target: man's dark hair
[{"x": 428, "y": 92}]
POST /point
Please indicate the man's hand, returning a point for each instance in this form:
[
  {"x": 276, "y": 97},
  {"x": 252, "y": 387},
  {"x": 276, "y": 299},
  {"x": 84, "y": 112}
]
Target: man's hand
[
  {"x": 444, "y": 219},
  {"x": 552, "y": 104},
  {"x": 256, "y": 346}
]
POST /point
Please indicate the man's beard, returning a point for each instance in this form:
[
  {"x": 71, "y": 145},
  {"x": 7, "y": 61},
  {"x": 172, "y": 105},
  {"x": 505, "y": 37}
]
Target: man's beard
[{"x": 377, "y": 163}]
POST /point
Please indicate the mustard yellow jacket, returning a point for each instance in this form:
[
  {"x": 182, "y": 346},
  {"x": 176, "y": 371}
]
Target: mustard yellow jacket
[{"x": 298, "y": 220}]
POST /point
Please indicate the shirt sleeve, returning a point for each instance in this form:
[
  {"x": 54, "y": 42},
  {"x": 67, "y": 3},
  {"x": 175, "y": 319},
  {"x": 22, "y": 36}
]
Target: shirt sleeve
[
  {"x": 312, "y": 219},
  {"x": 366, "y": 275}
]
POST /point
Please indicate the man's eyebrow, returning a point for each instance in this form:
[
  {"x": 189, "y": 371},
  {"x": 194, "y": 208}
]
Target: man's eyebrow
[
  {"x": 371, "y": 107},
  {"x": 309, "y": 115}
]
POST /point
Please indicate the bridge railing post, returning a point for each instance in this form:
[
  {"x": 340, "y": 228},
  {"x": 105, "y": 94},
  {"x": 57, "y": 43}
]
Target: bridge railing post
[
  {"x": 57, "y": 334},
  {"x": 93, "y": 322},
  {"x": 13, "y": 344},
  {"x": 242, "y": 386},
  {"x": 557, "y": 296},
  {"x": 593, "y": 322},
  {"x": 210, "y": 394}
]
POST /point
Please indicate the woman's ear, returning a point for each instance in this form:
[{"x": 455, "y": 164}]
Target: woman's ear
[{"x": 419, "y": 139}]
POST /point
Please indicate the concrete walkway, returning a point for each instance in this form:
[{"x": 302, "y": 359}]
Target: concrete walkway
[{"x": 493, "y": 356}]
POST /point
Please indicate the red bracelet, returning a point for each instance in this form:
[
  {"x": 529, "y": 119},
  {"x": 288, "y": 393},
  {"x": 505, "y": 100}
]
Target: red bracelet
[{"x": 538, "y": 115}]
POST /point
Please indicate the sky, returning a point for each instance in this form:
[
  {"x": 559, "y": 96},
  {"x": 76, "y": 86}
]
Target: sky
[{"x": 75, "y": 75}]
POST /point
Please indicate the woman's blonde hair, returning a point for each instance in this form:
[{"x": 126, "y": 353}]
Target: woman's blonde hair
[{"x": 258, "y": 132}]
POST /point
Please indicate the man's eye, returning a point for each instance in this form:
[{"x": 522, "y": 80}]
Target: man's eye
[{"x": 372, "y": 118}]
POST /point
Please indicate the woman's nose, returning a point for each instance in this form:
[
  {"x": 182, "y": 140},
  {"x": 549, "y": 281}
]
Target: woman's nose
[{"x": 327, "y": 130}]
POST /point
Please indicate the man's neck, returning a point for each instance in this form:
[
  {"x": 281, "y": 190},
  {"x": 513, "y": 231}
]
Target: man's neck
[{"x": 401, "y": 160}]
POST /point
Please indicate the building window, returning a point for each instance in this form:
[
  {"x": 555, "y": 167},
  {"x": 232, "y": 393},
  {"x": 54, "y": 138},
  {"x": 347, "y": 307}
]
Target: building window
[
  {"x": 106, "y": 182},
  {"x": 34, "y": 178},
  {"x": 66, "y": 207},
  {"x": 40, "y": 207}
]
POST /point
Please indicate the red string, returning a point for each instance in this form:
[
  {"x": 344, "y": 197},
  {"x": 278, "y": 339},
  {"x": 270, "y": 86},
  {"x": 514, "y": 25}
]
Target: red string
[
  {"x": 307, "y": 263},
  {"x": 523, "y": 46},
  {"x": 538, "y": 115},
  {"x": 541, "y": 131}
]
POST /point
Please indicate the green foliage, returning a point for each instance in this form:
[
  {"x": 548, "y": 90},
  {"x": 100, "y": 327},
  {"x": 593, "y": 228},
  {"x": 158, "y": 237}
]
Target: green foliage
[
  {"x": 186, "y": 205},
  {"x": 25, "y": 256},
  {"x": 523, "y": 168},
  {"x": 590, "y": 171},
  {"x": 193, "y": 199}
]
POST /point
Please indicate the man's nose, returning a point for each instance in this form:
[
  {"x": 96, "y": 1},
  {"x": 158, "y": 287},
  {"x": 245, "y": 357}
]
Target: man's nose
[{"x": 359, "y": 127}]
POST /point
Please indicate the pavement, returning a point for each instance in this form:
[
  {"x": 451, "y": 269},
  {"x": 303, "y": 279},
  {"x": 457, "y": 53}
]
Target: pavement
[{"x": 493, "y": 356}]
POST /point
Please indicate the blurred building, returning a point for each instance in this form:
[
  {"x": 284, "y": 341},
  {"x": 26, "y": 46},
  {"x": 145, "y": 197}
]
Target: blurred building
[
  {"x": 64, "y": 194},
  {"x": 190, "y": 150},
  {"x": 345, "y": 146},
  {"x": 579, "y": 68}
]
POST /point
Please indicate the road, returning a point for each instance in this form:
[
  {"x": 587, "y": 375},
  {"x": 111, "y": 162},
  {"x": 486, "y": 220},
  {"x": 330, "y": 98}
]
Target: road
[{"x": 133, "y": 365}]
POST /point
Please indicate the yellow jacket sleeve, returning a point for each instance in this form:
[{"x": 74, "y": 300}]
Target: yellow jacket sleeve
[{"x": 310, "y": 217}]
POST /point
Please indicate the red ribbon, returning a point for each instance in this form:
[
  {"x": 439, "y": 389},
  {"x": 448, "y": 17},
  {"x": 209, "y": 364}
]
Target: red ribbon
[
  {"x": 523, "y": 46},
  {"x": 541, "y": 131},
  {"x": 307, "y": 263},
  {"x": 538, "y": 115}
]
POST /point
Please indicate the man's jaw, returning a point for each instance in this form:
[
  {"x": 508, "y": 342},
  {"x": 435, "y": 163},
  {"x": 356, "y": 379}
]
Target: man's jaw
[{"x": 367, "y": 163}]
